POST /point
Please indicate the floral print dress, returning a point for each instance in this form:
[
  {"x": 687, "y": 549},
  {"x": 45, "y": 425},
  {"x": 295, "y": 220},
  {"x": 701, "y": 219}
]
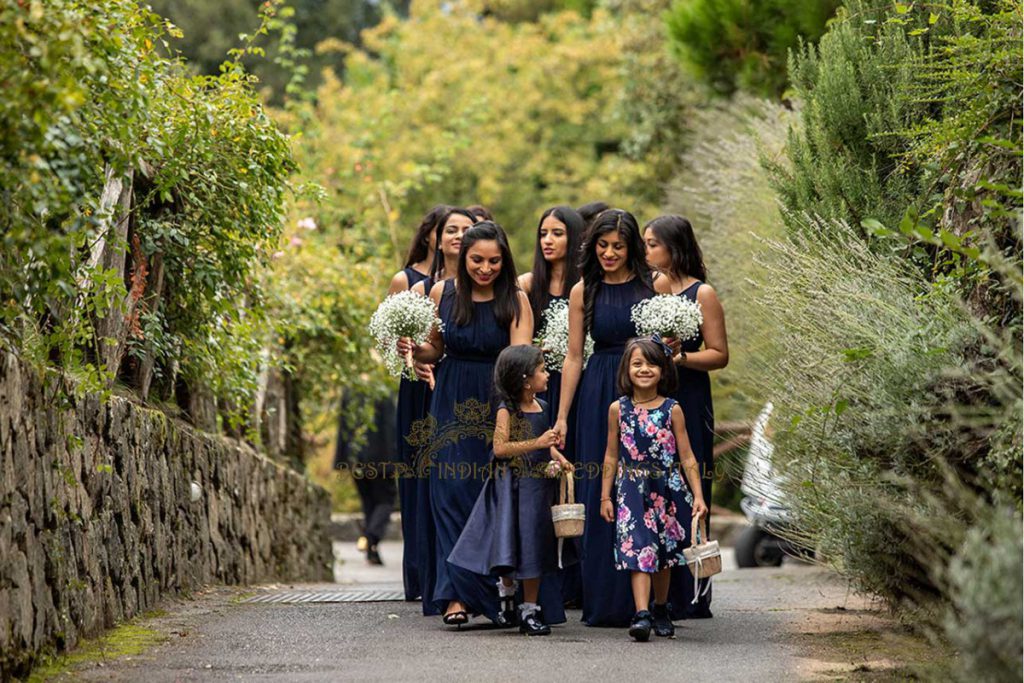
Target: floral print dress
[{"x": 653, "y": 501}]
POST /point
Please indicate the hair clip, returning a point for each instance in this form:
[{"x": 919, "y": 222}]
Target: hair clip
[{"x": 656, "y": 338}]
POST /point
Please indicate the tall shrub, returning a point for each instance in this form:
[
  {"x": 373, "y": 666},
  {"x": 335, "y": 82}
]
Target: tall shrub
[
  {"x": 896, "y": 296},
  {"x": 742, "y": 44}
]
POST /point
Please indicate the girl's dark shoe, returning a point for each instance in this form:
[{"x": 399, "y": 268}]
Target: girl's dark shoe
[
  {"x": 532, "y": 625},
  {"x": 640, "y": 628},
  {"x": 373, "y": 556},
  {"x": 509, "y": 611},
  {"x": 663, "y": 625},
  {"x": 509, "y": 614}
]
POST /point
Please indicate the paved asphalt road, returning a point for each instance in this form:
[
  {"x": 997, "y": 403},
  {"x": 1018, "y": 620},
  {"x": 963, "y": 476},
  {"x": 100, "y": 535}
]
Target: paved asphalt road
[{"x": 218, "y": 637}]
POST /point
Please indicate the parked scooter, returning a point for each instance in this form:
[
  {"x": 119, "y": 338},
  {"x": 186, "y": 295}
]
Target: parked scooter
[{"x": 760, "y": 544}]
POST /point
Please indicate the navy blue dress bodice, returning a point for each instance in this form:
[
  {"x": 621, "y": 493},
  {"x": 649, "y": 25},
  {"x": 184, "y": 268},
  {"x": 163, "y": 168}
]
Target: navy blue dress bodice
[
  {"x": 481, "y": 340},
  {"x": 614, "y": 326}
]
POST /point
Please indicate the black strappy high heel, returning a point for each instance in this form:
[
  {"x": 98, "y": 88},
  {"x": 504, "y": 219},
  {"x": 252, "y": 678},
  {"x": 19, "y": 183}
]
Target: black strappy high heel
[{"x": 456, "y": 619}]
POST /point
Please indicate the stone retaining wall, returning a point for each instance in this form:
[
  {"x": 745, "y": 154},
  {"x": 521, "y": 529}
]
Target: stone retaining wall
[{"x": 99, "y": 518}]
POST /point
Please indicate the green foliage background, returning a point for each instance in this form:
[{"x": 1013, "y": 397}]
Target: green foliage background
[{"x": 743, "y": 44}]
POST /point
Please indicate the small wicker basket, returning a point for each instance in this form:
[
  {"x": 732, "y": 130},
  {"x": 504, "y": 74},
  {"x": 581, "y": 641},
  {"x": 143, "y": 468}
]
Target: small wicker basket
[
  {"x": 704, "y": 559},
  {"x": 568, "y": 515}
]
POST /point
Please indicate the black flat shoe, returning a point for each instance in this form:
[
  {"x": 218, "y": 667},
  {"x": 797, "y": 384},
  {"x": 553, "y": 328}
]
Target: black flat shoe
[
  {"x": 640, "y": 628},
  {"x": 456, "y": 618},
  {"x": 663, "y": 626},
  {"x": 503, "y": 621},
  {"x": 373, "y": 556},
  {"x": 531, "y": 625}
]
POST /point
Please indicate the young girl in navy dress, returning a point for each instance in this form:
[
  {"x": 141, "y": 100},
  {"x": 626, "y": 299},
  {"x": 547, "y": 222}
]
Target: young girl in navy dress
[
  {"x": 510, "y": 532},
  {"x": 652, "y": 507}
]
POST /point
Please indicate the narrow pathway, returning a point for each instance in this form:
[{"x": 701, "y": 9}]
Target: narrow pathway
[{"x": 218, "y": 636}]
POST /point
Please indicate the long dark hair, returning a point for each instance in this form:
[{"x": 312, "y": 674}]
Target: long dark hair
[
  {"x": 590, "y": 211},
  {"x": 676, "y": 233},
  {"x": 506, "y": 287},
  {"x": 539, "y": 295},
  {"x": 420, "y": 247},
  {"x": 625, "y": 225},
  {"x": 435, "y": 270},
  {"x": 654, "y": 353},
  {"x": 514, "y": 365}
]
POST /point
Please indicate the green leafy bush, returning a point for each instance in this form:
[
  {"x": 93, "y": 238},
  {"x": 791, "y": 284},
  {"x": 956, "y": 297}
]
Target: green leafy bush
[
  {"x": 140, "y": 203},
  {"x": 727, "y": 195},
  {"x": 984, "y": 621},
  {"x": 896, "y": 301},
  {"x": 844, "y": 159},
  {"x": 742, "y": 44}
]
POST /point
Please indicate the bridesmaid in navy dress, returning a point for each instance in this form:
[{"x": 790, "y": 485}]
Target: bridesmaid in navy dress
[
  {"x": 413, "y": 397},
  {"x": 483, "y": 312},
  {"x": 615, "y": 277},
  {"x": 673, "y": 251},
  {"x": 450, "y": 224},
  {"x": 555, "y": 271}
]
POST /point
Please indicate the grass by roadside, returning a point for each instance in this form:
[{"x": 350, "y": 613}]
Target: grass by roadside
[
  {"x": 129, "y": 639},
  {"x": 861, "y": 645}
]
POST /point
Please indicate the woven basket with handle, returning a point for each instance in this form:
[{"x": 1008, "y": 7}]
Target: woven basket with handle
[
  {"x": 704, "y": 558},
  {"x": 568, "y": 515}
]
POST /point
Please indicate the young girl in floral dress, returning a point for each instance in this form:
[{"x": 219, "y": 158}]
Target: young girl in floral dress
[{"x": 652, "y": 508}]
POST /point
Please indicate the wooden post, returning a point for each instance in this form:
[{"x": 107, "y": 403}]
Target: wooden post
[
  {"x": 109, "y": 252},
  {"x": 144, "y": 375}
]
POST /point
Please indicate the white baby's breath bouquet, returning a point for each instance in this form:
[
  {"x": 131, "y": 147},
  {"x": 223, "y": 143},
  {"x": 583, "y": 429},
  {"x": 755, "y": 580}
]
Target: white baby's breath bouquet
[
  {"x": 406, "y": 314},
  {"x": 668, "y": 315},
  {"x": 554, "y": 336}
]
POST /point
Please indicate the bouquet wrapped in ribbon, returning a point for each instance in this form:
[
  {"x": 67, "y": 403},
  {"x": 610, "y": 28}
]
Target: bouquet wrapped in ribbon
[
  {"x": 406, "y": 314},
  {"x": 553, "y": 337},
  {"x": 668, "y": 315}
]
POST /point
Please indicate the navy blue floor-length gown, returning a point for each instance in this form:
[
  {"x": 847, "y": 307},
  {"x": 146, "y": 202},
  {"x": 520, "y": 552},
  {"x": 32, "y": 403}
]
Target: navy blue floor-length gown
[
  {"x": 510, "y": 530},
  {"x": 418, "y": 565},
  {"x": 694, "y": 396},
  {"x": 571, "y": 584},
  {"x": 607, "y": 595},
  {"x": 458, "y": 469}
]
